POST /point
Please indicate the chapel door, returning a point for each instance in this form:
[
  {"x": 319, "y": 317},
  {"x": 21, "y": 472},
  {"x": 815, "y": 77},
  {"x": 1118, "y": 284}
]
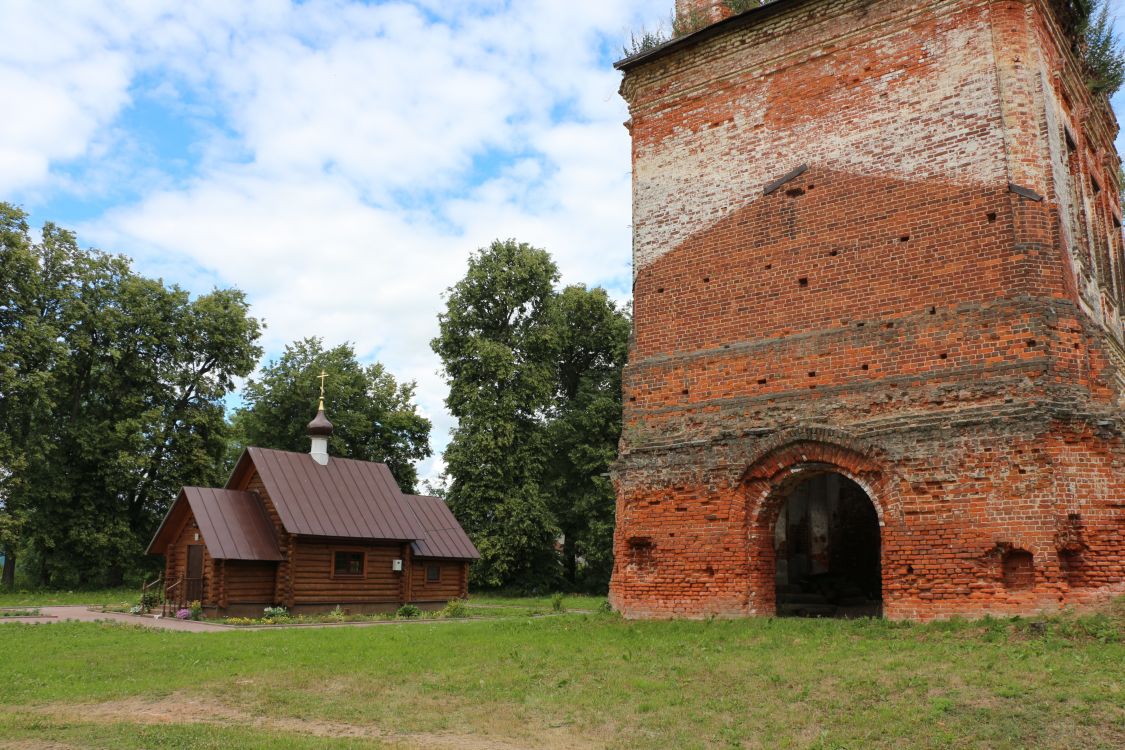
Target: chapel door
[{"x": 193, "y": 585}]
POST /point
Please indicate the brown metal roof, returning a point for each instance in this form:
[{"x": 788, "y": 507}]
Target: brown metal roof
[
  {"x": 444, "y": 536},
  {"x": 345, "y": 498},
  {"x": 234, "y": 525}
]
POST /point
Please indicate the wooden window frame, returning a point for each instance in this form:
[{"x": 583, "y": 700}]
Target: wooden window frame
[
  {"x": 347, "y": 551},
  {"x": 433, "y": 566}
]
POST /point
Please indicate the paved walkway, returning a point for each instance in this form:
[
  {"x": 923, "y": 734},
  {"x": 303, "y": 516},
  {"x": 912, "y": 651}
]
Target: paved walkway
[{"x": 84, "y": 613}]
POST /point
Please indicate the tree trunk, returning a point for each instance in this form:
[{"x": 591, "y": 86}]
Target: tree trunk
[
  {"x": 115, "y": 576},
  {"x": 570, "y": 559},
  {"x": 8, "y": 579},
  {"x": 42, "y": 575}
]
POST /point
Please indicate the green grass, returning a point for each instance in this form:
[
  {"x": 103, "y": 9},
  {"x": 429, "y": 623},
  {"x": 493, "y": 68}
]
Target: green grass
[
  {"x": 570, "y": 601},
  {"x": 575, "y": 681},
  {"x": 20, "y": 612},
  {"x": 31, "y": 727},
  {"x": 27, "y": 597}
]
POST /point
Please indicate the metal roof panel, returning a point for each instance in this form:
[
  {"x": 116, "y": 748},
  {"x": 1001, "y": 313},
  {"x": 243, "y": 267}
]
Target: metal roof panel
[
  {"x": 233, "y": 524},
  {"x": 346, "y": 498},
  {"x": 444, "y": 537}
]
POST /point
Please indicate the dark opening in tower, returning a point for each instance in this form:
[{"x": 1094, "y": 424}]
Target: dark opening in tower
[{"x": 827, "y": 547}]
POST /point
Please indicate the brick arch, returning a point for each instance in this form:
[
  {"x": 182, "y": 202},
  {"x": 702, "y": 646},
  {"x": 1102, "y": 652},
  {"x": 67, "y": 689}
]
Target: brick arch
[{"x": 784, "y": 462}]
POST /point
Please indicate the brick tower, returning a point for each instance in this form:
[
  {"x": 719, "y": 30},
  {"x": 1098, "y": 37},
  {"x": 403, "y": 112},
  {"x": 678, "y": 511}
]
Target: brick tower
[{"x": 878, "y": 363}]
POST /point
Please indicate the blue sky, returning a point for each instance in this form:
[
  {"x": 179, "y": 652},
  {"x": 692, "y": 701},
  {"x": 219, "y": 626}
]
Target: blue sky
[{"x": 338, "y": 160}]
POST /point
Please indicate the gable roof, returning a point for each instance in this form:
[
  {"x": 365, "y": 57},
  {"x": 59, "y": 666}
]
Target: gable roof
[
  {"x": 444, "y": 536},
  {"x": 345, "y": 498},
  {"x": 233, "y": 524}
]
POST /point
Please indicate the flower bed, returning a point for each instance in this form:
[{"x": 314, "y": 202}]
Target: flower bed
[
  {"x": 32, "y": 612},
  {"x": 280, "y": 616}
]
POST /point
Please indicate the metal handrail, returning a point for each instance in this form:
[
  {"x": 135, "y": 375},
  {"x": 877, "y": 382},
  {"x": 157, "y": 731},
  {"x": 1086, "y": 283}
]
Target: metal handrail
[
  {"x": 168, "y": 597},
  {"x": 145, "y": 587}
]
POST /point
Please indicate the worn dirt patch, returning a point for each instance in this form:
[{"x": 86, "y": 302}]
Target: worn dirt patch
[{"x": 184, "y": 709}]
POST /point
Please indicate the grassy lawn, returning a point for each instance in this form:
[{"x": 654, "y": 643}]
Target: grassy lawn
[
  {"x": 575, "y": 681},
  {"x": 569, "y": 601},
  {"x": 32, "y": 597}
]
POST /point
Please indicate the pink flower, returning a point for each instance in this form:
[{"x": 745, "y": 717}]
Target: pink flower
[{"x": 183, "y": 614}]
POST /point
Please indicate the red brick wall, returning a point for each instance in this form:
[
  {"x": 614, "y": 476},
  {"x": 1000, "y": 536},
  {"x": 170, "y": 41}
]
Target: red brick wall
[
  {"x": 895, "y": 313},
  {"x": 701, "y": 9}
]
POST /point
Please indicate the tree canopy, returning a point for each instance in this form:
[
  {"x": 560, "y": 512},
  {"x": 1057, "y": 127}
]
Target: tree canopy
[
  {"x": 534, "y": 382},
  {"x": 1104, "y": 56},
  {"x": 111, "y": 388},
  {"x": 374, "y": 416}
]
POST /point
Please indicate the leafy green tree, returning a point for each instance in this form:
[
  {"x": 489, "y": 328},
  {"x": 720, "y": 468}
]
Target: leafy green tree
[
  {"x": 583, "y": 429},
  {"x": 27, "y": 341},
  {"x": 111, "y": 390},
  {"x": 1104, "y": 56},
  {"x": 496, "y": 346},
  {"x": 535, "y": 383},
  {"x": 374, "y": 416}
]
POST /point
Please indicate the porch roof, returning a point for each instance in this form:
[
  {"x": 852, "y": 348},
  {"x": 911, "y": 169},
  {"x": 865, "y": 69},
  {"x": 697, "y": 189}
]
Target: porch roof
[{"x": 233, "y": 524}]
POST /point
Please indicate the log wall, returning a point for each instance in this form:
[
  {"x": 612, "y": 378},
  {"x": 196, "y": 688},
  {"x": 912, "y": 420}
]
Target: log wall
[
  {"x": 314, "y": 580},
  {"x": 249, "y": 581},
  {"x": 452, "y": 584},
  {"x": 176, "y": 563}
]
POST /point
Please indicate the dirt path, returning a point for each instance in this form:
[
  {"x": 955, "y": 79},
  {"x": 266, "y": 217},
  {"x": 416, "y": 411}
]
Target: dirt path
[{"x": 183, "y": 709}]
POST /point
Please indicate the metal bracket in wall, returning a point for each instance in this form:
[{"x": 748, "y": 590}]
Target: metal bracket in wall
[
  {"x": 1025, "y": 192},
  {"x": 771, "y": 187}
]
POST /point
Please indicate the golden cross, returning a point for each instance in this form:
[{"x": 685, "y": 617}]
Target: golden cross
[{"x": 323, "y": 375}]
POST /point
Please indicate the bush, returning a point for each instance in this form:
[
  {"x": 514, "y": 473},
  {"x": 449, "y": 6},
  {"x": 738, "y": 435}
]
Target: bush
[
  {"x": 275, "y": 613},
  {"x": 336, "y": 615},
  {"x": 408, "y": 611},
  {"x": 137, "y": 609},
  {"x": 196, "y": 609},
  {"x": 149, "y": 600},
  {"x": 183, "y": 614},
  {"x": 557, "y": 602},
  {"x": 454, "y": 608},
  {"x": 644, "y": 41}
]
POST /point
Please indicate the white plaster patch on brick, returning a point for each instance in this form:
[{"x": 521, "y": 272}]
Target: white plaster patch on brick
[
  {"x": 943, "y": 125},
  {"x": 1075, "y": 244},
  {"x": 1060, "y": 169}
]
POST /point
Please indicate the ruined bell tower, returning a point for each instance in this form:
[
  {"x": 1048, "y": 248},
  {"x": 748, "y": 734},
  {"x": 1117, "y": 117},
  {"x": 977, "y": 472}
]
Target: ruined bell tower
[{"x": 878, "y": 361}]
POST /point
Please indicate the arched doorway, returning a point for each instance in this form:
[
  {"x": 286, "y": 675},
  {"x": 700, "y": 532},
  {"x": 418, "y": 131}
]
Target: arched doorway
[{"x": 828, "y": 550}]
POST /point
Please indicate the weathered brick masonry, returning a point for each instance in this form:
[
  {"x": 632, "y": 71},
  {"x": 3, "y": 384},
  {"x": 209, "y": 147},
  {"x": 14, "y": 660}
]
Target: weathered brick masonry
[{"x": 929, "y": 308}]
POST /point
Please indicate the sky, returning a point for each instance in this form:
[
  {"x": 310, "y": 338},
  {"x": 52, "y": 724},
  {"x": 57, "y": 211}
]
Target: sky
[{"x": 337, "y": 160}]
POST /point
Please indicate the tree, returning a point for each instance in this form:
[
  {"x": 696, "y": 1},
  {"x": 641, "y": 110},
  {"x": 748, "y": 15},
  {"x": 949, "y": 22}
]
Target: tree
[
  {"x": 583, "y": 430},
  {"x": 535, "y": 383},
  {"x": 374, "y": 416},
  {"x": 27, "y": 341},
  {"x": 111, "y": 390},
  {"x": 1104, "y": 57},
  {"x": 496, "y": 347}
]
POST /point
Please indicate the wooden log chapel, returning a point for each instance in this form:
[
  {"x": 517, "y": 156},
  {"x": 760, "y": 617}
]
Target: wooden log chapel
[{"x": 310, "y": 532}]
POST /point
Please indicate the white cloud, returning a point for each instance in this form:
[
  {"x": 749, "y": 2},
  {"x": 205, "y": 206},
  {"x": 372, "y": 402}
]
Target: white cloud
[
  {"x": 54, "y": 114},
  {"x": 353, "y": 154}
]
